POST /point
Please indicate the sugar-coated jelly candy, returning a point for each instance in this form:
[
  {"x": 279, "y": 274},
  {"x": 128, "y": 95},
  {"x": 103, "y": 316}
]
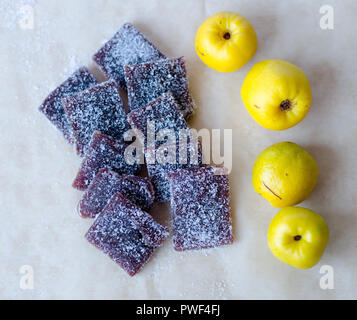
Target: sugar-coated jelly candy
[
  {"x": 97, "y": 109},
  {"x": 200, "y": 208},
  {"x": 162, "y": 113},
  {"x": 128, "y": 46},
  {"x": 160, "y": 163},
  {"x": 52, "y": 107},
  {"x": 126, "y": 234},
  {"x": 148, "y": 81},
  {"x": 106, "y": 183},
  {"x": 103, "y": 152}
]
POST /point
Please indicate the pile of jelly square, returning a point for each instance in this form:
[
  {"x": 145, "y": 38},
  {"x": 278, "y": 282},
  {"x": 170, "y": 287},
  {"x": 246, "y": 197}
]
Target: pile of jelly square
[{"x": 116, "y": 192}]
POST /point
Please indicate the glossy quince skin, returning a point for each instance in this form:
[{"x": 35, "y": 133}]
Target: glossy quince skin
[
  {"x": 298, "y": 236},
  {"x": 285, "y": 174},
  {"x": 226, "y": 41},
  {"x": 277, "y": 94}
]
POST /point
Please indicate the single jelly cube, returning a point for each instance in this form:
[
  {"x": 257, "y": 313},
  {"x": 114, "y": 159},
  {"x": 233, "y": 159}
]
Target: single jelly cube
[
  {"x": 103, "y": 152},
  {"x": 163, "y": 113},
  {"x": 160, "y": 163},
  {"x": 126, "y": 234},
  {"x": 52, "y": 107},
  {"x": 148, "y": 81},
  {"x": 106, "y": 183},
  {"x": 128, "y": 46},
  {"x": 200, "y": 208},
  {"x": 97, "y": 109}
]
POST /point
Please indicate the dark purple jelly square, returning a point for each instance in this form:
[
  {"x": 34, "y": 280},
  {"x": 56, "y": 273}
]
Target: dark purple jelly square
[
  {"x": 148, "y": 81},
  {"x": 200, "y": 208},
  {"x": 97, "y": 109},
  {"x": 103, "y": 152},
  {"x": 128, "y": 46},
  {"x": 159, "y": 163},
  {"x": 126, "y": 234},
  {"x": 106, "y": 183},
  {"x": 52, "y": 107},
  {"x": 163, "y": 114}
]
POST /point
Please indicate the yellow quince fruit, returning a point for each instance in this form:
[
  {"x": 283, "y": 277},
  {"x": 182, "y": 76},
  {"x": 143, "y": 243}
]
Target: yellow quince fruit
[
  {"x": 277, "y": 94},
  {"x": 226, "y": 41},
  {"x": 285, "y": 174},
  {"x": 298, "y": 236}
]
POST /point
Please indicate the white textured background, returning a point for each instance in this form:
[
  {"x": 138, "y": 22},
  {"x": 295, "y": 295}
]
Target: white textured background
[{"x": 39, "y": 225}]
